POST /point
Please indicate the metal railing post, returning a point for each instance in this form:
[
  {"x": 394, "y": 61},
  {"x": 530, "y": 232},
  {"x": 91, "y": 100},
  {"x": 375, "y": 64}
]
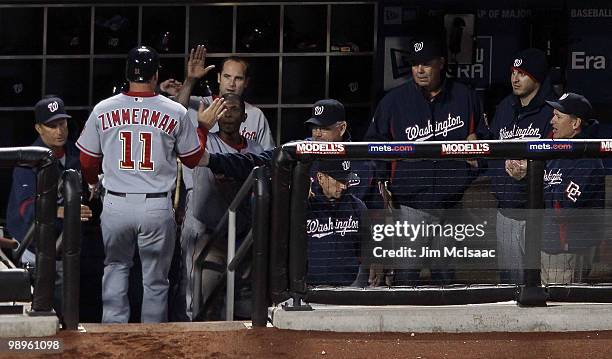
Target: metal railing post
[
  {"x": 532, "y": 294},
  {"x": 231, "y": 251},
  {"x": 71, "y": 249},
  {"x": 261, "y": 228}
]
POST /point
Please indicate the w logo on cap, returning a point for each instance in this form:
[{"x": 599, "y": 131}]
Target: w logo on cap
[
  {"x": 346, "y": 165},
  {"x": 563, "y": 97},
  {"x": 418, "y": 46},
  {"x": 318, "y": 110},
  {"x": 518, "y": 62},
  {"x": 53, "y": 106}
]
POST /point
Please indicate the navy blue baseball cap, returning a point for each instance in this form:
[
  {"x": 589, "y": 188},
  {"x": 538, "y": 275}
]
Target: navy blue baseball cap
[
  {"x": 572, "y": 104},
  {"x": 339, "y": 170},
  {"x": 327, "y": 112},
  {"x": 426, "y": 47},
  {"x": 50, "y": 109}
]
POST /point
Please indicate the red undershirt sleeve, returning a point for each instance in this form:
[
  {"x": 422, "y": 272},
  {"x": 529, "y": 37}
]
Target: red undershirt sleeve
[
  {"x": 192, "y": 160},
  {"x": 90, "y": 167}
]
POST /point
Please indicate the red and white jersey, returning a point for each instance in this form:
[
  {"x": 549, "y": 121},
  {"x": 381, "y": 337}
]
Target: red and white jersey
[
  {"x": 139, "y": 139},
  {"x": 212, "y": 194}
]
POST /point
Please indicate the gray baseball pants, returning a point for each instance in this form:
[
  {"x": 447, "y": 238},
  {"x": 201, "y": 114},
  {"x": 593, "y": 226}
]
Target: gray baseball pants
[{"x": 129, "y": 222}]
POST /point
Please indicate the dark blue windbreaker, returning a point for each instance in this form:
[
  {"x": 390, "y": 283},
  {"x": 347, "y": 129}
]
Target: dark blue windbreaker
[
  {"x": 334, "y": 236},
  {"x": 574, "y": 196},
  {"x": 511, "y": 122},
  {"x": 21, "y": 203},
  {"x": 404, "y": 114}
]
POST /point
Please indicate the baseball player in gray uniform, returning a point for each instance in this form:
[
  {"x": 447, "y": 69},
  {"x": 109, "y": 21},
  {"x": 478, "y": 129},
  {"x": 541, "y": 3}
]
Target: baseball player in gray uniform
[
  {"x": 137, "y": 136},
  {"x": 233, "y": 78},
  {"x": 211, "y": 195}
]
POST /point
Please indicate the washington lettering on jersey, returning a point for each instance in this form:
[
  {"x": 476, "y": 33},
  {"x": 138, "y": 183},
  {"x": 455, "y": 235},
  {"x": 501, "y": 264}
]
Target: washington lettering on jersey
[
  {"x": 551, "y": 178},
  {"x": 249, "y": 135},
  {"x": 137, "y": 116},
  {"x": 319, "y": 229},
  {"x": 519, "y": 133},
  {"x": 418, "y": 133}
]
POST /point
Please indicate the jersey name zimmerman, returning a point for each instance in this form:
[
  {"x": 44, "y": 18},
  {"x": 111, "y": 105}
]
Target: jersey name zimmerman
[{"x": 137, "y": 116}]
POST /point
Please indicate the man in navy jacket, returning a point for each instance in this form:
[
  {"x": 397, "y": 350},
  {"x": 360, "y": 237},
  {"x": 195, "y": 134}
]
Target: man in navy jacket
[
  {"x": 334, "y": 226},
  {"x": 328, "y": 124},
  {"x": 521, "y": 115},
  {"x": 574, "y": 195},
  {"x": 428, "y": 107},
  {"x": 52, "y": 127}
]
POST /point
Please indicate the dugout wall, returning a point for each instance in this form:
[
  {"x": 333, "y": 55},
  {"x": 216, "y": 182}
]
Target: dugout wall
[
  {"x": 48, "y": 250},
  {"x": 46, "y": 211},
  {"x": 289, "y": 244}
]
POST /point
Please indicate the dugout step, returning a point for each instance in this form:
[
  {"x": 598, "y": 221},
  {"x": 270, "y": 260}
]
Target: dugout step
[
  {"x": 419, "y": 295},
  {"x": 492, "y": 317},
  {"x": 23, "y": 325}
]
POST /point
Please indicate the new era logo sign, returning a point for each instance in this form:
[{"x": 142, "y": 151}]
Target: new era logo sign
[
  {"x": 318, "y": 110},
  {"x": 518, "y": 62},
  {"x": 418, "y": 46},
  {"x": 53, "y": 106},
  {"x": 563, "y": 97}
]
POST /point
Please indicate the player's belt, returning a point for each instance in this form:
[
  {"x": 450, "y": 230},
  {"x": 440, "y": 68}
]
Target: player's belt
[{"x": 149, "y": 195}]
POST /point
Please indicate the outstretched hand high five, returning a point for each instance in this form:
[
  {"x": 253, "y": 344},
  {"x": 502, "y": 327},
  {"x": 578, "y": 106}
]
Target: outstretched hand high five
[
  {"x": 210, "y": 115},
  {"x": 196, "y": 65}
]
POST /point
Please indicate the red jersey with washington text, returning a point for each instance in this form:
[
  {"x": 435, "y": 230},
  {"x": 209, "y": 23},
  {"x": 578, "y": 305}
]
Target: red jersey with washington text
[{"x": 139, "y": 139}]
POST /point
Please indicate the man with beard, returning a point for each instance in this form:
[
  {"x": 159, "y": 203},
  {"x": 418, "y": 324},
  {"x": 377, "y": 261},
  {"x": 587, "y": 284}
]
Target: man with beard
[{"x": 521, "y": 115}]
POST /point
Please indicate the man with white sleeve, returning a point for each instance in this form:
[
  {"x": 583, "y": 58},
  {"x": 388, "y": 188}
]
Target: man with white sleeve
[{"x": 137, "y": 136}]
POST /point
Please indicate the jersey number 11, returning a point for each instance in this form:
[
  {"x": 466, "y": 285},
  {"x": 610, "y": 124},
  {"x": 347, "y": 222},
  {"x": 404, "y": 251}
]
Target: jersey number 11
[{"x": 145, "y": 163}]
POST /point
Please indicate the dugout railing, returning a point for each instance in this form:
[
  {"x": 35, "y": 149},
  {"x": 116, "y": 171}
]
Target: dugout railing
[
  {"x": 43, "y": 234},
  {"x": 288, "y": 243},
  {"x": 254, "y": 246}
]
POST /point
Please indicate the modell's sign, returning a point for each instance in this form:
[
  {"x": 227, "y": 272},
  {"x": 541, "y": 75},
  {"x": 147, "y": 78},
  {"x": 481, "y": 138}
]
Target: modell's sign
[
  {"x": 606, "y": 146},
  {"x": 320, "y": 148},
  {"x": 465, "y": 148}
]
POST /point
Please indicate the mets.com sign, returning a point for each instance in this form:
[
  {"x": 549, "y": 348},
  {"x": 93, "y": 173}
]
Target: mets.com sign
[
  {"x": 391, "y": 148},
  {"x": 541, "y": 146}
]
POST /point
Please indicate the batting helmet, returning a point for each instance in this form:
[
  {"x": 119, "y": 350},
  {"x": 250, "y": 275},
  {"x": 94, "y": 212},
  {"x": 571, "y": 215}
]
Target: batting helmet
[{"x": 142, "y": 64}]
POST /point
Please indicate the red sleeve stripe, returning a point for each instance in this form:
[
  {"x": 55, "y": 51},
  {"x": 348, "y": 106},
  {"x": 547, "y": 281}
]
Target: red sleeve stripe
[
  {"x": 202, "y": 135},
  {"x": 90, "y": 153},
  {"x": 190, "y": 153},
  {"x": 192, "y": 160},
  {"x": 24, "y": 206}
]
